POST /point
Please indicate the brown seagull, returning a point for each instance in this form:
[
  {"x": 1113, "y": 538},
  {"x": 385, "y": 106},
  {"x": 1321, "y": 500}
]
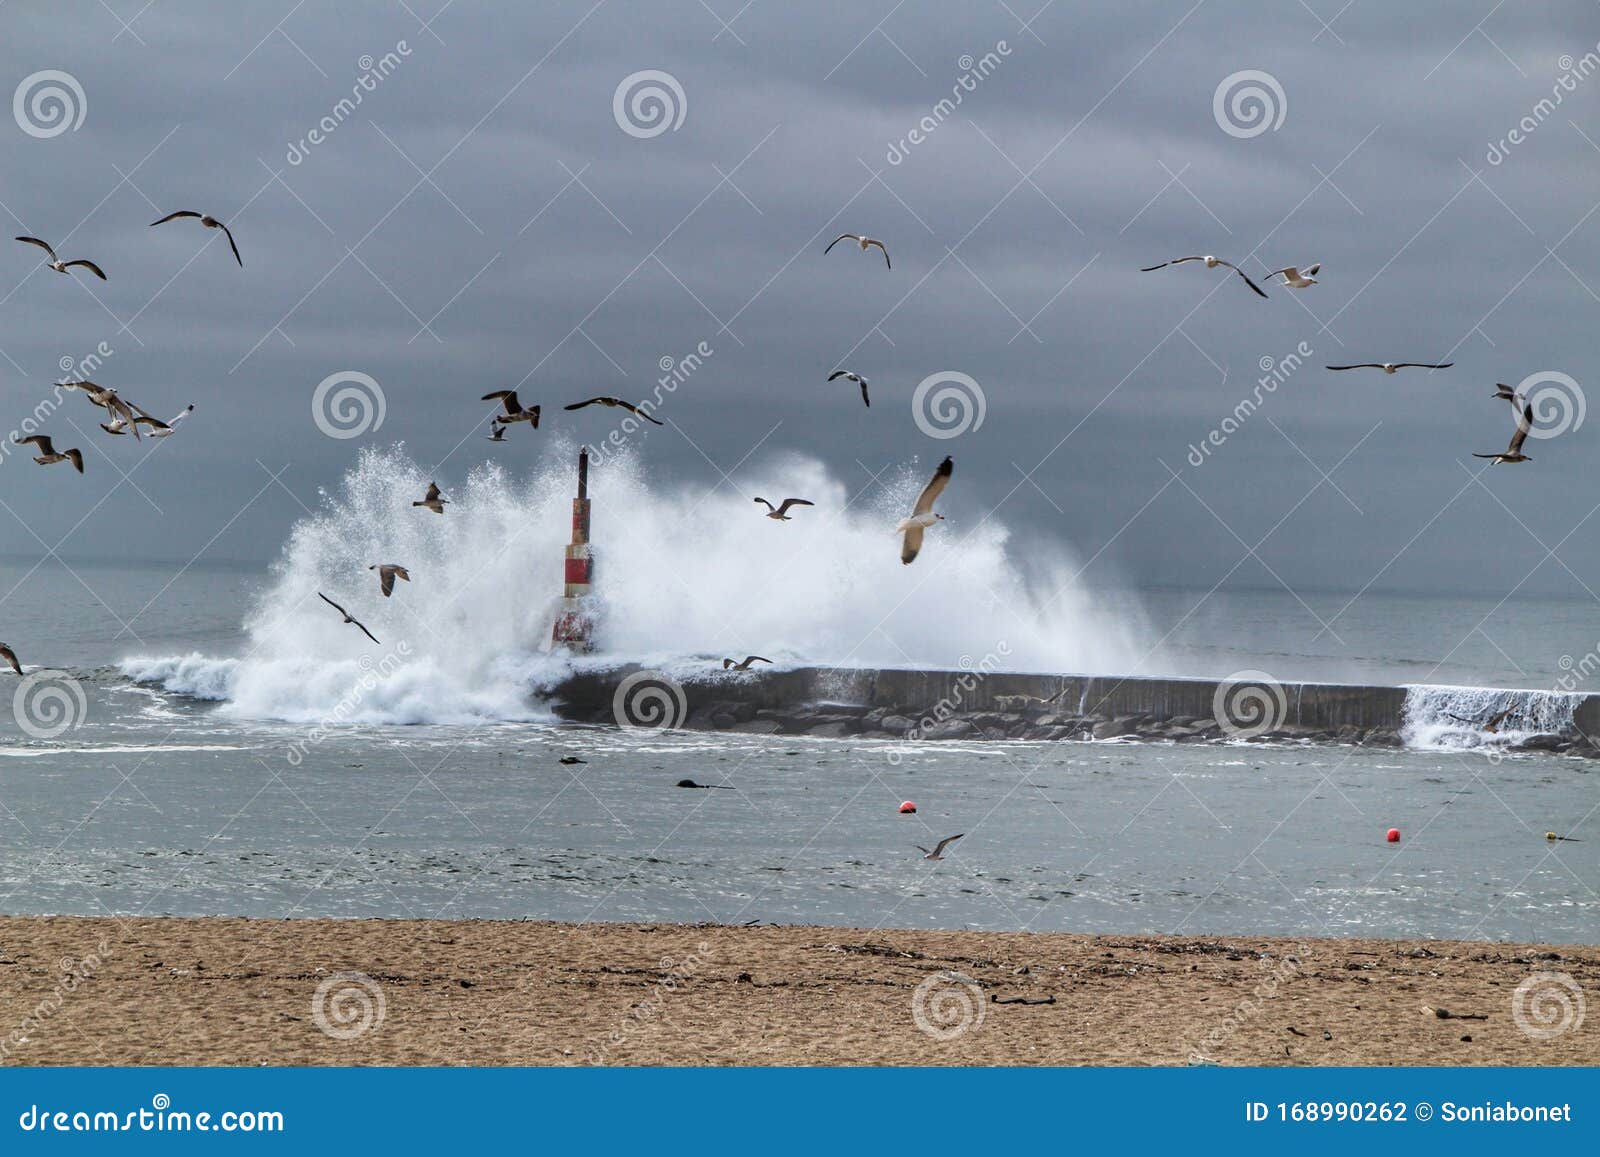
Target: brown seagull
[
  {"x": 1513, "y": 452},
  {"x": 938, "y": 849},
  {"x": 47, "y": 451},
  {"x": 387, "y": 573},
  {"x": 922, "y": 515},
  {"x": 730, "y": 665},
  {"x": 10, "y": 657},
  {"x": 778, "y": 513},
  {"x": 59, "y": 265},
  {"x": 514, "y": 411},
  {"x": 347, "y": 617},
  {"x": 628, "y": 406},
  {"x": 209, "y": 222},
  {"x": 432, "y": 500},
  {"x": 121, "y": 411}
]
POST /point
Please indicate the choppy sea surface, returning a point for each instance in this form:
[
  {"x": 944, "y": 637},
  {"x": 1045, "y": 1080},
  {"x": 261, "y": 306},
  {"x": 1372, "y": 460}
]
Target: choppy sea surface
[{"x": 218, "y": 742}]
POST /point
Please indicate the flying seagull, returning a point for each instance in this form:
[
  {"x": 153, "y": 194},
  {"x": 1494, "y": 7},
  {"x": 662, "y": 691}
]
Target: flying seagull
[
  {"x": 387, "y": 573},
  {"x": 865, "y": 243},
  {"x": 922, "y": 515},
  {"x": 1513, "y": 452},
  {"x": 1295, "y": 276},
  {"x": 110, "y": 401},
  {"x": 1391, "y": 367},
  {"x": 777, "y": 513},
  {"x": 1494, "y": 724},
  {"x": 347, "y": 617},
  {"x": 938, "y": 849},
  {"x": 498, "y": 432},
  {"x": 59, "y": 265},
  {"x": 628, "y": 406},
  {"x": 432, "y": 500},
  {"x": 514, "y": 411},
  {"x": 209, "y": 222},
  {"x": 10, "y": 657},
  {"x": 852, "y": 376},
  {"x": 1211, "y": 263},
  {"x": 47, "y": 451},
  {"x": 730, "y": 665},
  {"x": 158, "y": 428}
]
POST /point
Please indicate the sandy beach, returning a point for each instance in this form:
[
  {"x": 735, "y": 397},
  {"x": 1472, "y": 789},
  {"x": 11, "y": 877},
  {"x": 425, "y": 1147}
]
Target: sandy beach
[{"x": 217, "y": 991}]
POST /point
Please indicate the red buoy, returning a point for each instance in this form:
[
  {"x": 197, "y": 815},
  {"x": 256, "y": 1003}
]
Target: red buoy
[
  {"x": 1394, "y": 836},
  {"x": 910, "y": 809}
]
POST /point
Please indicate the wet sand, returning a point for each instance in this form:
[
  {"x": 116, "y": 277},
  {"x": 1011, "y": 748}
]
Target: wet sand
[{"x": 218, "y": 991}]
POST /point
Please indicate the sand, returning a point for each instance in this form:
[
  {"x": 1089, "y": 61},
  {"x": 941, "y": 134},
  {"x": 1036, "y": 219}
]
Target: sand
[{"x": 244, "y": 992}]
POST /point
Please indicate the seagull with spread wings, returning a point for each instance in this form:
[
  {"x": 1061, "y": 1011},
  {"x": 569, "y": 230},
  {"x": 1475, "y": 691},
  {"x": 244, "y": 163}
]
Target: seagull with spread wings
[
  {"x": 922, "y": 515},
  {"x": 938, "y": 849},
  {"x": 863, "y": 241},
  {"x": 730, "y": 665},
  {"x": 209, "y": 222},
  {"x": 852, "y": 376},
  {"x": 1513, "y": 452},
  {"x": 47, "y": 451},
  {"x": 113, "y": 403},
  {"x": 59, "y": 265},
  {"x": 1296, "y": 277},
  {"x": 348, "y": 617},
  {"x": 10, "y": 657},
  {"x": 628, "y": 406},
  {"x": 157, "y": 428},
  {"x": 778, "y": 513},
  {"x": 432, "y": 500},
  {"x": 1211, "y": 263},
  {"x": 1391, "y": 367},
  {"x": 513, "y": 408},
  {"x": 387, "y": 573}
]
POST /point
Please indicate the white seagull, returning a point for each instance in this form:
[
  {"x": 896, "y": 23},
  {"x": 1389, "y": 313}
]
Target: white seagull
[
  {"x": 1211, "y": 263},
  {"x": 852, "y": 376},
  {"x": 1391, "y": 367},
  {"x": 922, "y": 515},
  {"x": 209, "y": 222},
  {"x": 59, "y": 265},
  {"x": 158, "y": 428},
  {"x": 865, "y": 243},
  {"x": 1295, "y": 276}
]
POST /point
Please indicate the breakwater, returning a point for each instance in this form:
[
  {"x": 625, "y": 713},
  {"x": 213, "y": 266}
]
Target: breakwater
[{"x": 985, "y": 704}]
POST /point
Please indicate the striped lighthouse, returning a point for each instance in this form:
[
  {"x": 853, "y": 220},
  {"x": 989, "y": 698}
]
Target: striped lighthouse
[{"x": 575, "y": 623}]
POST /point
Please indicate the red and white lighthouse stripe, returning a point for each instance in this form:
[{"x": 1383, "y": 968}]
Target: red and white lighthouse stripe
[{"x": 574, "y": 627}]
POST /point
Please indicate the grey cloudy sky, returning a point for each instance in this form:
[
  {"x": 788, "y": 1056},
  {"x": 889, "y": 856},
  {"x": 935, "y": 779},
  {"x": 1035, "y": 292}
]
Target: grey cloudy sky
[{"x": 481, "y": 219}]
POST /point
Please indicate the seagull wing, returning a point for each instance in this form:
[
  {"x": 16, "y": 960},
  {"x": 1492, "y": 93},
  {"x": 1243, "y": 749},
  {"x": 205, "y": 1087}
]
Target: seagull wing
[
  {"x": 1358, "y": 366},
  {"x": 1244, "y": 275},
  {"x": 638, "y": 413},
  {"x": 231, "y": 245},
  {"x": 386, "y": 580},
  {"x": 1524, "y": 424},
  {"x": 748, "y": 659},
  {"x": 942, "y": 844},
  {"x": 10, "y": 657},
  {"x": 366, "y": 632},
  {"x": 331, "y": 603},
  {"x": 885, "y": 249},
  {"x": 726, "y": 663},
  {"x": 864, "y": 397},
  {"x": 40, "y": 440},
  {"x": 175, "y": 216},
  {"x": 89, "y": 265},
  {"x": 831, "y": 244},
  {"x": 788, "y": 502},
  {"x": 45, "y": 245},
  {"x": 840, "y": 374},
  {"x": 1423, "y": 365},
  {"x": 75, "y": 456},
  {"x": 1313, "y": 270},
  {"x": 934, "y": 488},
  {"x": 910, "y": 544},
  {"x": 590, "y": 402},
  {"x": 767, "y": 504}
]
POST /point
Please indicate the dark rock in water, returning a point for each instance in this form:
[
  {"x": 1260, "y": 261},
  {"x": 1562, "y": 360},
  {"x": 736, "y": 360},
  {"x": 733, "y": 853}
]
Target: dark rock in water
[
  {"x": 896, "y": 724},
  {"x": 951, "y": 729},
  {"x": 756, "y": 727},
  {"x": 836, "y": 729},
  {"x": 1545, "y": 741},
  {"x": 1115, "y": 728}
]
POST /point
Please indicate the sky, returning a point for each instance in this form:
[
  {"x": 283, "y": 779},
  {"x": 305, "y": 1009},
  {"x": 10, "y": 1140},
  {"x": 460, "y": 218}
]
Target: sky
[{"x": 495, "y": 212}]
